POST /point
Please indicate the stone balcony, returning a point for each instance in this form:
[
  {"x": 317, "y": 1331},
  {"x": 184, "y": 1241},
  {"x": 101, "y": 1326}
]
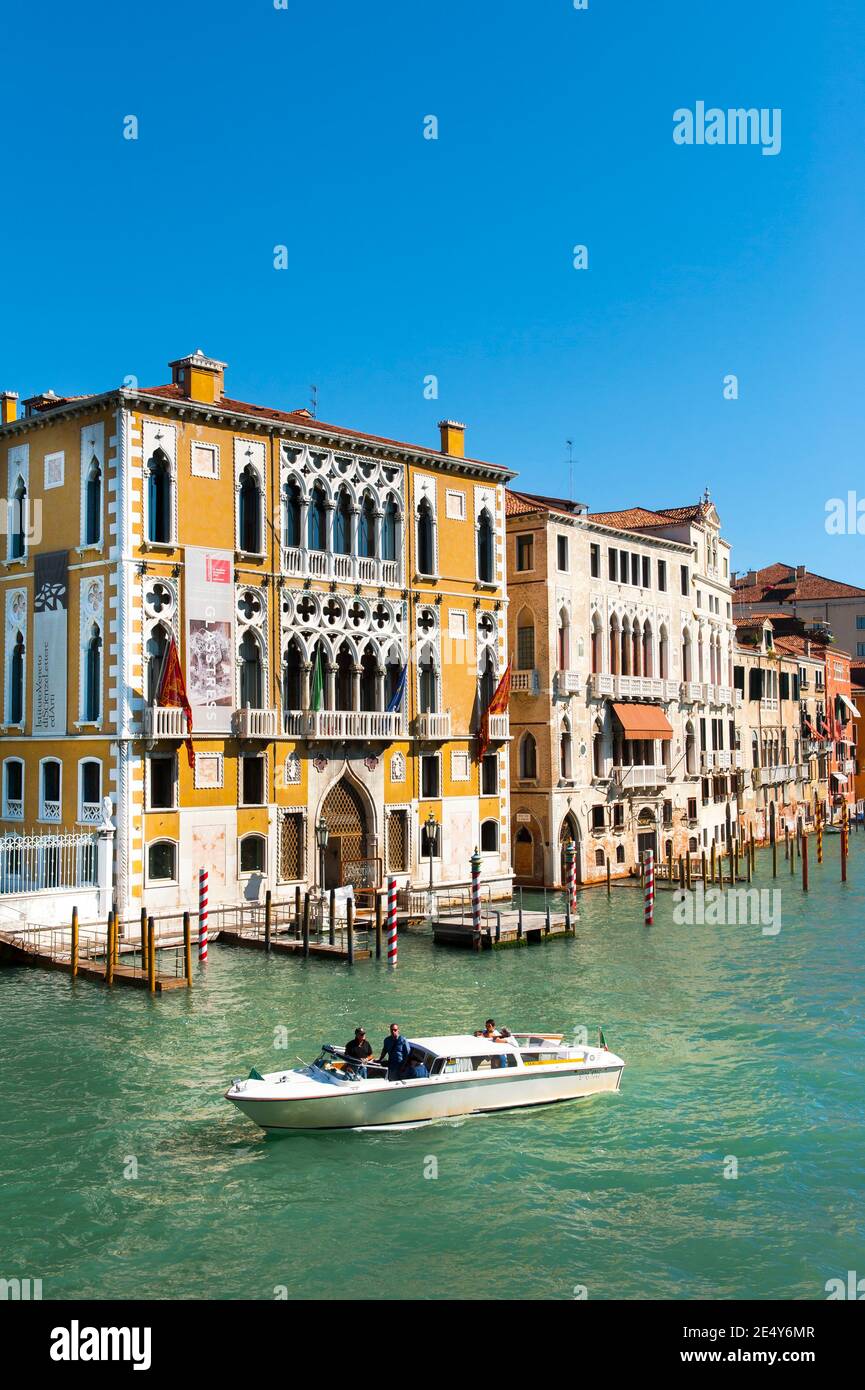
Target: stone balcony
[
  {"x": 301, "y": 563},
  {"x": 433, "y": 728},
  {"x": 499, "y": 728},
  {"x": 165, "y": 721},
  {"x": 773, "y": 776},
  {"x": 568, "y": 683},
  {"x": 640, "y": 777},
  {"x": 256, "y": 723},
  {"x": 718, "y": 760},
  {"x": 633, "y": 687},
  {"x": 525, "y": 683},
  {"x": 373, "y": 725}
]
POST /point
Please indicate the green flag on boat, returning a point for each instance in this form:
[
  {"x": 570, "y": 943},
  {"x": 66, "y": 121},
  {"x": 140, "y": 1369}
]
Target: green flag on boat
[
  {"x": 255, "y": 1075},
  {"x": 602, "y": 1042},
  {"x": 317, "y": 696}
]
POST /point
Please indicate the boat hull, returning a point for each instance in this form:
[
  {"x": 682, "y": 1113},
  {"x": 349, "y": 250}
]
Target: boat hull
[{"x": 412, "y": 1102}]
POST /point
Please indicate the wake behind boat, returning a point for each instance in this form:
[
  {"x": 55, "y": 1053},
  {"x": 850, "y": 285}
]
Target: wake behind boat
[{"x": 466, "y": 1075}]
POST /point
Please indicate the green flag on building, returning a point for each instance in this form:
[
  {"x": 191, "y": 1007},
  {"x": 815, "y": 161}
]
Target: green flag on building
[{"x": 317, "y": 694}]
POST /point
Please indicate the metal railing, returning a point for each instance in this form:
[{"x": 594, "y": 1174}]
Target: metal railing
[{"x": 48, "y": 863}]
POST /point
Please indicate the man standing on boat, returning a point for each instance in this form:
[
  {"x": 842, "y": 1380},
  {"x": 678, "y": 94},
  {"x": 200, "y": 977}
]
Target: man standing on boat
[
  {"x": 395, "y": 1050},
  {"x": 359, "y": 1052}
]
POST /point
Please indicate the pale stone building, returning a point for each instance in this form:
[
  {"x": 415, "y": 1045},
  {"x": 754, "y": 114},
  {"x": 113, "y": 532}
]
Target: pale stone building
[{"x": 623, "y": 733}]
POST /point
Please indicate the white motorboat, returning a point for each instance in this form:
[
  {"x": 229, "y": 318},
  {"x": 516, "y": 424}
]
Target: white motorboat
[{"x": 466, "y": 1075}]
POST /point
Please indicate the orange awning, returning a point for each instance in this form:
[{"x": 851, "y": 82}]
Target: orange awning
[{"x": 643, "y": 721}]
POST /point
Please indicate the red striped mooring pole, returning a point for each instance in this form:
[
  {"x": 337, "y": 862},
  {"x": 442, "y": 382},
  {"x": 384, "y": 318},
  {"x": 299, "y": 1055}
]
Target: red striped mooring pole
[
  {"x": 202, "y": 914},
  {"x": 391, "y": 922},
  {"x": 649, "y": 889},
  {"x": 571, "y": 862}
]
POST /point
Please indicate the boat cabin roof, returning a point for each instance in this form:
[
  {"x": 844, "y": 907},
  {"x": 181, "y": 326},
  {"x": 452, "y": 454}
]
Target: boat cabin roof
[{"x": 461, "y": 1045}]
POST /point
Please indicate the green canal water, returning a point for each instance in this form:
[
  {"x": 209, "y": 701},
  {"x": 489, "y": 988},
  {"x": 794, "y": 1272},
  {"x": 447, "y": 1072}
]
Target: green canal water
[{"x": 738, "y": 1045}]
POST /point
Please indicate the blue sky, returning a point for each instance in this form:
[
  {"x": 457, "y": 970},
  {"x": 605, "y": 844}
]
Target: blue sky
[{"x": 409, "y": 257}]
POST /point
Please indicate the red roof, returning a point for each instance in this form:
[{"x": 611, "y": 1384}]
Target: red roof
[
  {"x": 521, "y": 503},
  {"x": 779, "y": 584},
  {"x": 642, "y": 519}
]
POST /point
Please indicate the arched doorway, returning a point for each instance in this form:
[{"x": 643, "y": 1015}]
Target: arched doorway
[
  {"x": 570, "y": 831},
  {"x": 524, "y": 853},
  {"x": 347, "y": 832},
  {"x": 647, "y": 835}
]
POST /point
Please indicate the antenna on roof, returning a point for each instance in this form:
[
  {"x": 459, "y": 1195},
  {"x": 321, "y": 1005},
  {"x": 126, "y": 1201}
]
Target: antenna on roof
[
  {"x": 313, "y": 402},
  {"x": 570, "y": 444}
]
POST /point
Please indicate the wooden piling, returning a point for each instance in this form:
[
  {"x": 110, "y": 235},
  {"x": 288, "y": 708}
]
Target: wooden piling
[
  {"x": 732, "y": 865},
  {"x": 378, "y": 925},
  {"x": 73, "y": 954},
  {"x": 297, "y": 910},
  {"x": 331, "y": 917},
  {"x": 713, "y": 854},
  {"x": 144, "y": 941},
  {"x": 792, "y": 855},
  {"x": 748, "y": 864},
  {"x": 306, "y": 907},
  {"x": 151, "y": 955},
  {"x": 187, "y": 948},
  {"x": 349, "y": 929},
  {"x": 109, "y": 950},
  {"x": 819, "y": 821},
  {"x": 681, "y": 872},
  {"x": 753, "y": 849},
  {"x": 786, "y": 842},
  {"x": 546, "y": 918},
  {"x": 774, "y": 853},
  {"x": 670, "y": 860},
  {"x": 268, "y": 910},
  {"x": 608, "y": 876},
  {"x": 688, "y": 879},
  {"x": 804, "y": 863},
  {"x": 704, "y": 866}
]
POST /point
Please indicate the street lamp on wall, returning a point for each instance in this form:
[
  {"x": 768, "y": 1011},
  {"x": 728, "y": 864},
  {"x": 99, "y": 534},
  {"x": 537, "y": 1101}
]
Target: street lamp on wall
[{"x": 321, "y": 836}]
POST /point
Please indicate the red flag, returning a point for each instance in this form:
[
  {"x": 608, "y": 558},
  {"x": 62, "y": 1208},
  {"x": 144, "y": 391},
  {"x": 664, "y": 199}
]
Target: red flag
[
  {"x": 172, "y": 693},
  {"x": 497, "y": 705}
]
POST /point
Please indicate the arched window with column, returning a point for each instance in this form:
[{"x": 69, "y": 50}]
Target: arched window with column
[
  {"x": 486, "y": 680},
  {"x": 292, "y": 677},
  {"x": 637, "y": 649},
  {"x": 390, "y": 530},
  {"x": 428, "y": 683},
  {"x": 317, "y": 520},
  {"x": 366, "y": 530},
  {"x": 690, "y": 750},
  {"x": 92, "y": 702},
  {"x": 18, "y": 528},
  {"x": 249, "y": 510},
  {"x": 342, "y": 523},
  {"x": 425, "y": 537},
  {"x": 15, "y": 683},
  {"x": 597, "y": 645},
  {"x": 369, "y": 678},
  {"x": 291, "y": 534},
  {"x": 663, "y": 654},
  {"x": 159, "y": 499},
  {"x": 626, "y": 647},
  {"x": 345, "y": 677},
  {"x": 93, "y": 504},
  {"x": 687, "y": 664},
  {"x": 563, "y": 640},
  {"x": 598, "y": 758},
  {"x": 566, "y": 762},
  {"x": 251, "y": 673},
  {"x": 648, "y": 652},
  {"x": 155, "y": 649}
]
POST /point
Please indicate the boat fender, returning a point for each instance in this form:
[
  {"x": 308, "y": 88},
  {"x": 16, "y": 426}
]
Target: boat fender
[{"x": 590, "y": 1057}]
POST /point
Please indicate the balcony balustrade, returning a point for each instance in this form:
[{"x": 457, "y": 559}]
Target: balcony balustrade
[
  {"x": 691, "y": 692},
  {"x": 256, "y": 723},
  {"x": 362, "y": 724},
  {"x": 301, "y": 563},
  {"x": 499, "y": 727},
  {"x": 568, "y": 683},
  {"x": 433, "y": 728},
  {"x": 525, "y": 683},
  {"x": 629, "y": 687},
  {"x": 91, "y": 813},
  {"x": 644, "y": 775},
  {"x": 164, "y": 721}
]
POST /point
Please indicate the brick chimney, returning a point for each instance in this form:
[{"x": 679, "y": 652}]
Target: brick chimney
[
  {"x": 8, "y": 407},
  {"x": 801, "y": 571},
  {"x": 453, "y": 438},
  {"x": 200, "y": 378}
]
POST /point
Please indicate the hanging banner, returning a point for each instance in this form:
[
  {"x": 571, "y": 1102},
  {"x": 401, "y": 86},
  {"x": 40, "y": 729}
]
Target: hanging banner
[
  {"x": 210, "y": 638},
  {"x": 50, "y": 644}
]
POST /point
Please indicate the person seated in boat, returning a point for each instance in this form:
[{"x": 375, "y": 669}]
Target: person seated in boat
[
  {"x": 358, "y": 1052},
  {"x": 490, "y": 1030},
  {"x": 395, "y": 1050},
  {"x": 415, "y": 1068}
]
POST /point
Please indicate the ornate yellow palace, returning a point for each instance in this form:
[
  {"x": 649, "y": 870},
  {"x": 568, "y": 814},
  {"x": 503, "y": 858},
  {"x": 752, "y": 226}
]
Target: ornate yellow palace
[{"x": 338, "y": 603}]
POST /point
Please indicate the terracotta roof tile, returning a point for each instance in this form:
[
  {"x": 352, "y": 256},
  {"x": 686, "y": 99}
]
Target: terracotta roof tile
[
  {"x": 778, "y": 583},
  {"x": 642, "y": 519}
]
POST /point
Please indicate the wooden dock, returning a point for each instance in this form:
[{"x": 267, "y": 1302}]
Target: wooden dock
[
  {"x": 502, "y": 930},
  {"x": 52, "y": 949}
]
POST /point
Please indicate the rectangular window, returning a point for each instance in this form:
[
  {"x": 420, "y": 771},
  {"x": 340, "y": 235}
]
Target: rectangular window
[
  {"x": 595, "y": 561},
  {"x": 624, "y": 566},
  {"x": 252, "y": 780},
  {"x": 685, "y": 580},
  {"x": 429, "y": 775},
  {"x": 525, "y": 552},
  {"x": 860, "y": 648},
  {"x": 662, "y": 576},
  {"x": 860, "y": 621},
  {"x": 291, "y": 847},
  {"x": 647, "y": 572},
  {"x": 597, "y": 817},
  {"x": 397, "y": 841},
  {"x": 525, "y": 648},
  {"x": 618, "y": 815},
  {"x": 613, "y": 563},
  {"x": 692, "y": 808},
  {"x": 635, "y": 571},
  {"x": 161, "y": 783},
  {"x": 668, "y": 813},
  {"x": 784, "y": 685},
  {"x": 490, "y": 775},
  {"x": 562, "y": 553}
]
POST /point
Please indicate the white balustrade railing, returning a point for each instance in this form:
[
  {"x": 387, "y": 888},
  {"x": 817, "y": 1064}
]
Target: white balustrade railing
[
  {"x": 645, "y": 775},
  {"x": 568, "y": 682},
  {"x": 256, "y": 723},
  {"x": 499, "y": 727},
  {"x": 364, "y": 724},
  {"x": 433, "y": 727},
  {"x": 525, "y": 683},
  {"x": 164, "y": 721}
]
